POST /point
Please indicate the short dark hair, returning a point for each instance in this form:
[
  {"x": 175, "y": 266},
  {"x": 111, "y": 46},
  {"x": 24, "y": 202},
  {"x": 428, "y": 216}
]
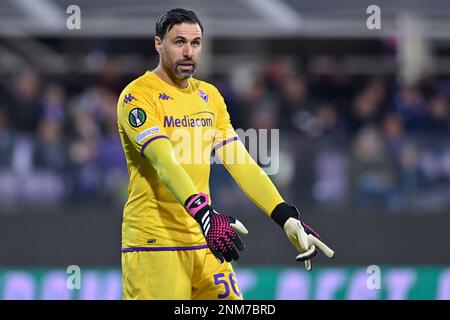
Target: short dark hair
[{"x": 175, "y": 16}]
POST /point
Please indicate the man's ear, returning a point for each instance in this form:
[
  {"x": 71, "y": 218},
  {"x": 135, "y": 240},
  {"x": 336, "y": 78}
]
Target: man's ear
[{"x": 158, "y": 42}]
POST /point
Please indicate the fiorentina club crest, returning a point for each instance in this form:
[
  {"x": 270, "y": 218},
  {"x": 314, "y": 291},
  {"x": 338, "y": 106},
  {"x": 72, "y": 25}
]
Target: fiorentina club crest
[{"x": 203, "y": 95}]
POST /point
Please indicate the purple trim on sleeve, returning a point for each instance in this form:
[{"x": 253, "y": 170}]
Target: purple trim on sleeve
[
  {"x": 203, "y": 246},
  {"x": 150, "y": 140},
  {"x": 220, "y": 145}
]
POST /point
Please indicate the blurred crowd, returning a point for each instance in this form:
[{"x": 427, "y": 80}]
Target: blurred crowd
[
  {"x": 355, "y": 141},
  {"x": 345, "y": 140},
  {"x": 59, "y": 144}
]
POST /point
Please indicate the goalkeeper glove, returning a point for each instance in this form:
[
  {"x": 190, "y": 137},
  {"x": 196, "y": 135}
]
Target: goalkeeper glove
[
  {"x": 304, "y": 238},
  {"x": 218, "y": 229}
]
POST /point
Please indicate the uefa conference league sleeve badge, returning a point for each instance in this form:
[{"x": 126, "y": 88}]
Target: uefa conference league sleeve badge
[{"x": 137, "y": 117}]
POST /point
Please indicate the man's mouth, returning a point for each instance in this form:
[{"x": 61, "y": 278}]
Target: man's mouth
[{"x": 185, "y": 66}]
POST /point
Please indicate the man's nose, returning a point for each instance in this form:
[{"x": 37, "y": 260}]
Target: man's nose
[{"x": 187, "y": 51}]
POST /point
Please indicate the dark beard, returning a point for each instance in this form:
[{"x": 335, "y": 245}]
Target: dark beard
[
  {"x": 186, "y": 74},
  {"x": 181, "y": 75}
]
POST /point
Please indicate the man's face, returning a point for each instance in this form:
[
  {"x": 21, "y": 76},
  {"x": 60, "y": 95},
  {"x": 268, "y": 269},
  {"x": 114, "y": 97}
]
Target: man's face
[{"x": 180, "y": 49}]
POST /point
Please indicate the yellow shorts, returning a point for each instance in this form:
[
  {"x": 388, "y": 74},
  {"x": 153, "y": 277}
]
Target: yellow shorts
[{"x": 178, "y": 274}]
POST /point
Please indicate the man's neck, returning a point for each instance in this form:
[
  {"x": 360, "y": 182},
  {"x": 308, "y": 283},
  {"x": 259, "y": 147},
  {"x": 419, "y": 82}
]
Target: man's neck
[{"x": 166, "y": 77}]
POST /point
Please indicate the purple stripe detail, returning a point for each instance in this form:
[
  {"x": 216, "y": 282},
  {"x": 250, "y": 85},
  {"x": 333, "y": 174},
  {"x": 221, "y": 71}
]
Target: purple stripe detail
[
  {"x": 150, "y": 140},
  {"x": 220, "y": 145},
  {"x": 204, "y": 246}
]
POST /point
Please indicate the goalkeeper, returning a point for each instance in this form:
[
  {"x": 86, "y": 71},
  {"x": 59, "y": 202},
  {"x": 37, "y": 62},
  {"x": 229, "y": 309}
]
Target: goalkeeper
[{"x": 175, "y": 244}]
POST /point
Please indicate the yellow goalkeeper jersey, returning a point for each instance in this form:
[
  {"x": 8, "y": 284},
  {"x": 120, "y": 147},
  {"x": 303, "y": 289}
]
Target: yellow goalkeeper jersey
[{"x": 196, "y": 122}]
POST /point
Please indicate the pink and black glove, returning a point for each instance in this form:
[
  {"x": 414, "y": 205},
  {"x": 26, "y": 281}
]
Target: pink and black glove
[{"x": 219, "y": 229}]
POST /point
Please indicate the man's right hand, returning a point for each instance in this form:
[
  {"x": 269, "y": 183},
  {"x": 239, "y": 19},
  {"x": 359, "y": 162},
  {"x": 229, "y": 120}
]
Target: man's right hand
[{"x": 219, "y": 229}]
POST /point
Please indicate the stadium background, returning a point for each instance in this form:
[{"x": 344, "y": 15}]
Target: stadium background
[{"x": 364, "y": 125}]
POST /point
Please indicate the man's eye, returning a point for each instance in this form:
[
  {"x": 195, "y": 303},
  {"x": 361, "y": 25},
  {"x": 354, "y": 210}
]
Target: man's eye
[
  {"x": 178, "y": 42},
  {"x": 196, "y": 43}
]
